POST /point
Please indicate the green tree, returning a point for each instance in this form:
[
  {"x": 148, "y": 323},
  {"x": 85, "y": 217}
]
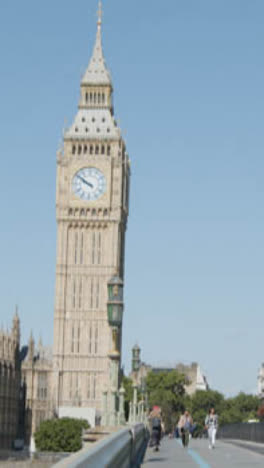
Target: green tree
[
  {"x": 240, "y": 408},
  {"x": 166, "y": 389},
  {"x": 60, "y": 435},
  {"x": 229, "y": 416},
  {"x": 128, "y": 386},
  {"x": 202, "y": 401}
]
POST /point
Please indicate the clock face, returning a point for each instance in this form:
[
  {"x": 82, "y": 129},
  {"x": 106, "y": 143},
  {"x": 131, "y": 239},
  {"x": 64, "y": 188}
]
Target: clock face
[{"x": 89, "y": 184}]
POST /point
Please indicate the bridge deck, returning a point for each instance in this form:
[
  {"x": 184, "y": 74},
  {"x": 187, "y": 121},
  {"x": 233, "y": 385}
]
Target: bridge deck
[{"x": 225, "y": 455}]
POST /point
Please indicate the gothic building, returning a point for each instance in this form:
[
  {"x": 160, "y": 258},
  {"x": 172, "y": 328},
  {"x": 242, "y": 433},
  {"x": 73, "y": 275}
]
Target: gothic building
[
  {"x": 93, "y": 172},
  {"x": 37, "y": 381},
  {"x": 92, "y": 207},
  {"x": 10, "y": 378},
  {"x": 25, "y": 386}
]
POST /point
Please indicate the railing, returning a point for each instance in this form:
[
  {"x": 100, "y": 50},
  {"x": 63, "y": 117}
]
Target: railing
[
  {"x": 123, "y": 449},
  {"x": 253, "y": 432}
]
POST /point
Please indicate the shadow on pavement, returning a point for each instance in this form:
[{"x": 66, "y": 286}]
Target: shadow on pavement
[{"x": 153, "y": 460}]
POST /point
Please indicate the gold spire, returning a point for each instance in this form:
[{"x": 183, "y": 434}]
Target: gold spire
[{"x": 100, "y": 13}]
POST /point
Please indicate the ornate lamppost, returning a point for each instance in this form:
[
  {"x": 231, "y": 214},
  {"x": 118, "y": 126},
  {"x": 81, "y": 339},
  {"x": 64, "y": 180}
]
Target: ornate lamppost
[{"x": 115, "y": 307}]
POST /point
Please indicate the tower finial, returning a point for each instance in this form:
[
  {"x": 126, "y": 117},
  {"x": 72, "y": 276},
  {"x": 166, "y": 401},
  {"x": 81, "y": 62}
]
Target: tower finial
[
  {"x": 100, "y": 13},
  {"x": 97, "y": 73}
]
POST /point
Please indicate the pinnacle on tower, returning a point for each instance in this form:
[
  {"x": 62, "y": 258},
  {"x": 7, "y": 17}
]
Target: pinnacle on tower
[
  {"x": 95, "y": 115},
  {"x": 31, "y": 346},
  {"x": 16, "y": 326},
  {"x": 97, "y": 72}
]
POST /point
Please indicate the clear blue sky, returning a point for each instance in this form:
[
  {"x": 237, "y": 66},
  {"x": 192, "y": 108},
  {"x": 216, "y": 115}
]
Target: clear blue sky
[{"x": 189, "y": 93}]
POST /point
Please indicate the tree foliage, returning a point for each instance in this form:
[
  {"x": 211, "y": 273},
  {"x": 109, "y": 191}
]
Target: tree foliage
[
  {"x": 127, "y": 383},
  {"x": 60, "y": 435},
  {"x": 128, "y": 386},
  {"x": 240, "y": 408},
  {"x": 166, "y": 389},
  {"x": 202, "y": 401}
]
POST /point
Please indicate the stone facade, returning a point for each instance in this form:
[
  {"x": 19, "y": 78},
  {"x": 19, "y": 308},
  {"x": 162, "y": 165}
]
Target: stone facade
[
  {"x": 93, "y": 172},
  {"x": 196, "y": 379},
  {"x": 260, "y": 384},
  {"x": 10, "y": 378},
  {"x": 37, "y": 380}
]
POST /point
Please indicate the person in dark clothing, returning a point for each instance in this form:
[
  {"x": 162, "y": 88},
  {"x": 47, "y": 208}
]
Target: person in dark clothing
[{"x": 155, "y": 427}]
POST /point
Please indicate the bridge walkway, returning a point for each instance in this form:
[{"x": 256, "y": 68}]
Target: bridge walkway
[{"x": 225, "y": 455}]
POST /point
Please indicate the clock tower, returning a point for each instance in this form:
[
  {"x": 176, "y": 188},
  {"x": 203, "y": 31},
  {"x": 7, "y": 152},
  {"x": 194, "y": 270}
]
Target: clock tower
[{"x": 91, "y": 209}]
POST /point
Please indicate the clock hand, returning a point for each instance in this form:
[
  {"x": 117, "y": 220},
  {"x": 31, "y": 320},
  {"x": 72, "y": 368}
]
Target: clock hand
[{"x": 85, "y": 181}]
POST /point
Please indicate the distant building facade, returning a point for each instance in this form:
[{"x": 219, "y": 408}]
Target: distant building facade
[
  {"x": 196, "y": 379},
  {"x": 194, "y": 376},
  {"x": 260, "y": 391},
  {"x": 10, "y": 380}
]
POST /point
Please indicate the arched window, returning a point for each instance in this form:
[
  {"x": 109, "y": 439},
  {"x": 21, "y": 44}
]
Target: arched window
[
  {"x": 76, "y": 248},
  {"x": 95, "y": 98},
  {"x": 73, "y": 149},
  {"x": 103, "y": 149},
  {"x": 81, "y": 247},
  {"x": 91, "y": 149},
  {"x": 97, "y": 149},
  {"x": 108, "y": 150},
  {"x": 99, "y": 98},
  {"x": 86, "y": 97},
  {"x": 99, "y": 248},
  {"x": 93, "y": 251},
  {"x": 85, "y": 149},
  {"x": 73, "y": 294},
  {"x": 103, "y": 98},
  {"x": 79, "y": 149},
  {"x": 80, "y": 306},
  {"x": 91, "y": 97}
]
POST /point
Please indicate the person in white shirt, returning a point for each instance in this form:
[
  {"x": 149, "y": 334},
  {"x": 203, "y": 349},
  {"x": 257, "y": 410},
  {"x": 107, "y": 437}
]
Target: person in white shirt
[{"x": 211, "y": 424}]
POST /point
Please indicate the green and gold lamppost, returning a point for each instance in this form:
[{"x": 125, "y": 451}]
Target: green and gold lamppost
[{"x": 115, "y": 307}]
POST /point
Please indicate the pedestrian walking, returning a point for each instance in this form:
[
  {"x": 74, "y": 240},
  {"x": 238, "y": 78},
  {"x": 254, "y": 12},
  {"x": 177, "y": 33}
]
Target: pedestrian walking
[
  {"x": 155, "y": 423},
  {"x": 211, "y": 424},
  {"x": 185, "y": 425}
]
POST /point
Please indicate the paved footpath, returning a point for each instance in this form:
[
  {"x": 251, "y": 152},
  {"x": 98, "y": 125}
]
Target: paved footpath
[{"x": 225, "y": 455}]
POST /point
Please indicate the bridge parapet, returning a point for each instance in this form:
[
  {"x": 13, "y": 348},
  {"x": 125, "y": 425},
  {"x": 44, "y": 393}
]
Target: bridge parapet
[
  {"x": 123, "y": 449},
  {"x": 253, "y": 432}
]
